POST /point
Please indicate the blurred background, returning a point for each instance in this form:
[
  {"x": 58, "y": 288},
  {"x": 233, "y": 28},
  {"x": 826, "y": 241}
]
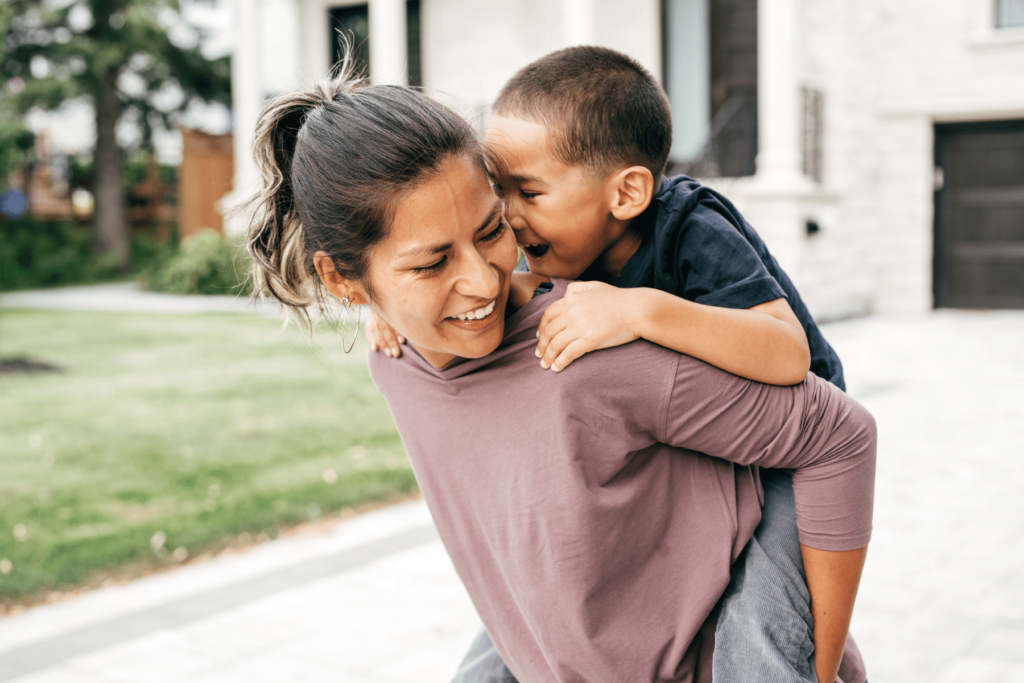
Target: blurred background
[{"x": 150, "y": 419}]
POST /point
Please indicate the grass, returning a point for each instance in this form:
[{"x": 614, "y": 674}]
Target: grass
[{"x": 165, "y": 435}]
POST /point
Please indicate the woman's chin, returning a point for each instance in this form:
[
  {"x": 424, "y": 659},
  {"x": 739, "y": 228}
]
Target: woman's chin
[
  {"x": 461, "y": 343},
  {"x": 482, "y": 343}
]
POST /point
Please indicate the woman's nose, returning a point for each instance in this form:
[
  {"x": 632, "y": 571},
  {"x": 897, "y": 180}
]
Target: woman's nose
[{"x": 477, "y": 277}]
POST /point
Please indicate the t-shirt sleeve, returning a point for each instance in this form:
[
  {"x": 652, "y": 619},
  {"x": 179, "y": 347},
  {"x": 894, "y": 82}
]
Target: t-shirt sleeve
[
  {"x": 716, "y": 265},
  {"x": 826, "y": 437}
]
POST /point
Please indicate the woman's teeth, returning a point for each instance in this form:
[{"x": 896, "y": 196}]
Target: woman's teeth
[{"x": 478, "y": 313}]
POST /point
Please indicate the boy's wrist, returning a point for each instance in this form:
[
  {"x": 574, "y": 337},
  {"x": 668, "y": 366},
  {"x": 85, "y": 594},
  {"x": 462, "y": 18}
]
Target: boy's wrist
[{"x": 645, "y": 311}]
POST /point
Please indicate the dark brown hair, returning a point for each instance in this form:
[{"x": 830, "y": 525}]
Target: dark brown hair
[
  {"x": 602, "y": 109},
  {"x": 334, "y": 161}
]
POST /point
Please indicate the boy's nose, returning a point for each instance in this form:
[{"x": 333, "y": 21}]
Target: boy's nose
[{"x": 519, "y": 226}]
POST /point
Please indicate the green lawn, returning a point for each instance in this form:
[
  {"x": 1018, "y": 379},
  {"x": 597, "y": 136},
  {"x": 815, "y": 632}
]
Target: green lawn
[{"x": 168, "y": 432}]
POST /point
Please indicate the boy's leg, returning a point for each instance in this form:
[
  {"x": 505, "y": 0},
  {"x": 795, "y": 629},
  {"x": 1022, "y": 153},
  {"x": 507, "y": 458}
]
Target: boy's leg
[
  {"x": 765, "y": 629},
  {"x": 482, "y": 664}
]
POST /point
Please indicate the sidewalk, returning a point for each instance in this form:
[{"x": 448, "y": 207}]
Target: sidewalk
[
  {"x": 128, "y": 297},
  {"x": 376, "y": 600}
]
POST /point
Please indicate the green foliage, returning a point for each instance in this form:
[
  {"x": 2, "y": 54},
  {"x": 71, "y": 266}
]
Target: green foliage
[
  {"x": 73, "y": 49},
  {"x": 136, "y": 61},
  {"x": 205, "y": 264},
  {"x": 199, "y": 427},
  {"x": 150, "y": 254},
  {"x": 15, "y": 140},
  {"x": 136, "y": 169},
  {"x": 36, "y": 253}
]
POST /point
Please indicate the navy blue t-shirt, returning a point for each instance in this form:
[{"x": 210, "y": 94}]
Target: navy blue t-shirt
[{"x": 696, "y": 245}]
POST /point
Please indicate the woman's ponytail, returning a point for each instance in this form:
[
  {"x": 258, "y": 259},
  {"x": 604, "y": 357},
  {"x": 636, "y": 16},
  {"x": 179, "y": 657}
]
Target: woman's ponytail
[
  {"x": 333, "y": 160},
  {"x": 276, "y": 239}
]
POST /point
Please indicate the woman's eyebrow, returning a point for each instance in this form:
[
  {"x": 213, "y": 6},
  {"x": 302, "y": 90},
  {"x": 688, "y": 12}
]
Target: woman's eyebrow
[
  {"x": 494, "y": 213},
  {"x": 425, "y": 250}
]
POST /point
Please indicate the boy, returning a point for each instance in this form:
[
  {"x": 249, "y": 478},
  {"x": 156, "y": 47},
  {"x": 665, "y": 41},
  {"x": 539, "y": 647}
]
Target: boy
[{"x": 576, "y": 147}]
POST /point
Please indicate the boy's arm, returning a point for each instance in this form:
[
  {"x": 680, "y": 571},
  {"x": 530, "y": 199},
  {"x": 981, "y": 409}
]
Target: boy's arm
[
  {"x": 832, "y": 580},
  {"x": 765, "y": 343}
]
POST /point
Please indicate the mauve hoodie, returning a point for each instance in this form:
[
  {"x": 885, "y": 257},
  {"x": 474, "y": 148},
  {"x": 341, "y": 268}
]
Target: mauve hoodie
[{"x": 593, "y": 514}]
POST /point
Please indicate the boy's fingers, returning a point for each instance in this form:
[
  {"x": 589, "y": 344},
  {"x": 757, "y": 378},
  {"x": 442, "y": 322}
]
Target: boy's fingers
[
  {"x": 390, "y": 342},
  {"x": 573, "y": 351},
  {"x": 552, "y": 312},
  {"x": 372, "y": 335},
  {"x": 547, "y": 332},
  {"x": 558, "y": 344},
  {"x": 577, "y": 287}
]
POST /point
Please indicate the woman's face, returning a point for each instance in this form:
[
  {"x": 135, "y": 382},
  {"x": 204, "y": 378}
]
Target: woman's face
[{"x": 441, "y": 277}]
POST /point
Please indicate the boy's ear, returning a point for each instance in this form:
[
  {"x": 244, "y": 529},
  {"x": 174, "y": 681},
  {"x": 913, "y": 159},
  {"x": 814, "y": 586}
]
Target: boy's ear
[
  {"x": 634, "y": 188},
  {"x": 337, "y": 284}
]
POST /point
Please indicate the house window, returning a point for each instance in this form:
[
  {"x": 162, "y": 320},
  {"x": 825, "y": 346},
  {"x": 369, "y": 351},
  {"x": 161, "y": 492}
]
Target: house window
[
  {"x": 412, "y": 27},
  {"x": 711, "y": 82},
  {"x": 354, "y": 21},
  {"x": 1009, "y": 13}
]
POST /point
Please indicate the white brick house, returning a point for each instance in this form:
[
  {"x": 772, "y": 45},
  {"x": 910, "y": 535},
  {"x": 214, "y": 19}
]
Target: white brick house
[{"x": 849, "y": 100}]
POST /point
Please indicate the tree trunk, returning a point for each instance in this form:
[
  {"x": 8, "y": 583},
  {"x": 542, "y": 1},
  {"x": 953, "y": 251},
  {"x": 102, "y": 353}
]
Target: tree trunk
[{"x": 110, "y": 221}]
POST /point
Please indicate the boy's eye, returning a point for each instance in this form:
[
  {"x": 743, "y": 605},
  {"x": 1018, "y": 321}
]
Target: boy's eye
[
  {"x": 432, "y": 268},
  {"x": 494, "y": 234},
  {"x": 528, "y": 195}
]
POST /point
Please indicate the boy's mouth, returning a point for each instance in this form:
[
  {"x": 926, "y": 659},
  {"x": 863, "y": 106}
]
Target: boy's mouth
[{"x": 536, "y": 250}]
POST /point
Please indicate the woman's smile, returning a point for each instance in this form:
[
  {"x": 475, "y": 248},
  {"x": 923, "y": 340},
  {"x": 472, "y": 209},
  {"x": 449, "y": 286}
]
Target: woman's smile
[{"x": 475, "y": 314}]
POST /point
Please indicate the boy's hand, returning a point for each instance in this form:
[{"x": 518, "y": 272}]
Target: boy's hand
[
  {"x": 591, "y": 316},
  {"x": 380, "y": 335}
]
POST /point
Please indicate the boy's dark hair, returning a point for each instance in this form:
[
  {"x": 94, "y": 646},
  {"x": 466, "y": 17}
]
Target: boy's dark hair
[{"x": 602, "y": 108}]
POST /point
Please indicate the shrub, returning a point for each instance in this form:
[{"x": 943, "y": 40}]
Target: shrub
[
  {"x": 42, "y": 253},
  {"x": 150, "y": 254},
  {"x": 206, "y": 263}
]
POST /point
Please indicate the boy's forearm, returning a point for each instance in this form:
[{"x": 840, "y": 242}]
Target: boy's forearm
[
  {"x": 747, "y": 343},
  {"x": 832, "y": 579}
]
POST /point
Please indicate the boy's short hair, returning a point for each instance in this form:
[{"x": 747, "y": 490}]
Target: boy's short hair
[{"x": 602, "y": 109}]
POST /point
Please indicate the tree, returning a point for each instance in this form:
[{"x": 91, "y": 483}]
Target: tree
[
  {"x": 120, "y": 54},
  {"x": 15, "y": 138}
]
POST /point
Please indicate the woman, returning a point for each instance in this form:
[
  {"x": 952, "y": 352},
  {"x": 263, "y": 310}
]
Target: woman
[{"x": 582, "y": 511}]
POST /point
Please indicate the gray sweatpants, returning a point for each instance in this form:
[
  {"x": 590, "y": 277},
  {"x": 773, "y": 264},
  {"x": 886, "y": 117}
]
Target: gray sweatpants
[{"x": 764, "y": 632}]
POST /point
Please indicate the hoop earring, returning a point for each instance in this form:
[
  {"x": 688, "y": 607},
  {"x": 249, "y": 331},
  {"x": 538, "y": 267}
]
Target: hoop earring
[{"x": 359, "y": 319}]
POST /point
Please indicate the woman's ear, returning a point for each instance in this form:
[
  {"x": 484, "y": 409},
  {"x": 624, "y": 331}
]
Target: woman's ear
[
  {"x": 634, "y": 188},
  {"x": 337, "y": 284}
]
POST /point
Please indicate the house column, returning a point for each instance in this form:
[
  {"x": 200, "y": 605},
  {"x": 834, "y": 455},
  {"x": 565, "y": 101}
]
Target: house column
[
  {"x": 779, "y": 159},
  {"x": 388, "y": 47},
  {"x": 777, "y": 201},
  {"x": 578, "y": 22},
  {"x": 246, "y": 103},
  {"x": 315, "y": 40}
]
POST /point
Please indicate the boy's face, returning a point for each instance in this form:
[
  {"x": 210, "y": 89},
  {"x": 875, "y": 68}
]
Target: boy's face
[{"x": 560, "y": 214}]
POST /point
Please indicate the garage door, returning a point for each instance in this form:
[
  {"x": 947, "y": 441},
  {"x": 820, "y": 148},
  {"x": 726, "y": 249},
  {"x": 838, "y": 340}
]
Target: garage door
[{"x": 979, "y": 215}]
